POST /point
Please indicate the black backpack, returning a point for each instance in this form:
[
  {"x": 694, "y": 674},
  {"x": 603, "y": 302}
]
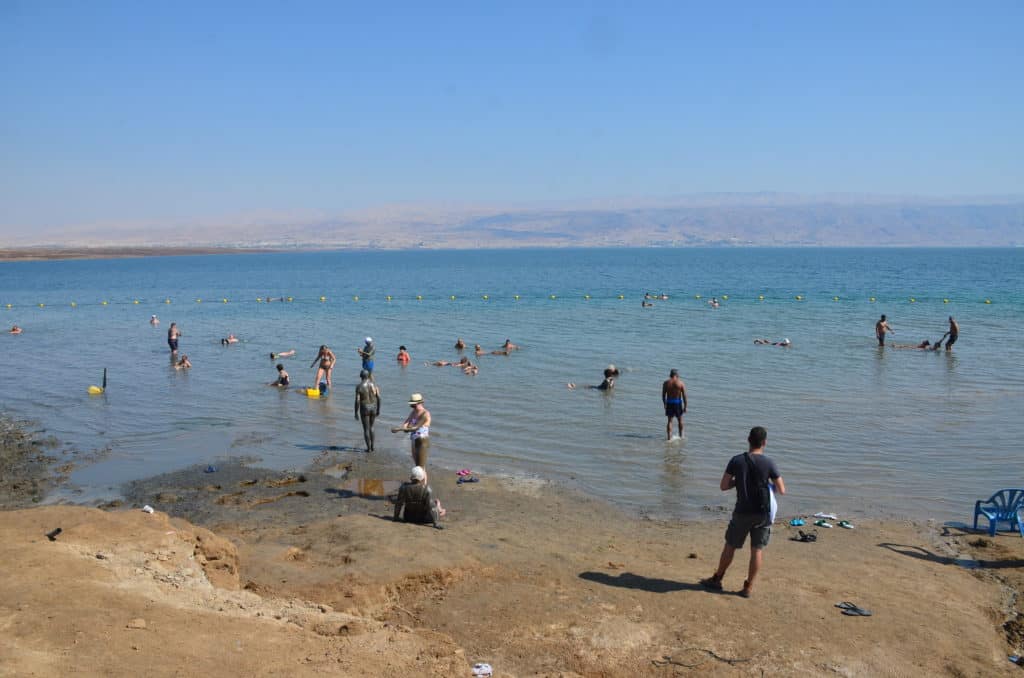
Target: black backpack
[{"x": 758, "y": 494}]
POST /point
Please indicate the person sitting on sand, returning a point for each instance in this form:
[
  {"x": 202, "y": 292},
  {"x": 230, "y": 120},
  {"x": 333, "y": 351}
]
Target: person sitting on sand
[
  {"x": 183, "y": 364},
  {"x": 282, "y": 377},
  {"x": 403, "y": 356},
  {"x": 153, "y": 320},
  {"x": 418, "y": 500},
  {"x": 283, "y": 354},
  {"x": 459, "y": 344},
  {"x": 15, "y": 330},
  {"x": 611, "y": 373},
  {"x": 230, "y": 339}
]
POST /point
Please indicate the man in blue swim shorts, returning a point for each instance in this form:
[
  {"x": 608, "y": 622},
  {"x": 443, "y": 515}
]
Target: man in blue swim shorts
[
  {"x": 366, "y": 353},
  {"x": 673, "y": 395}
]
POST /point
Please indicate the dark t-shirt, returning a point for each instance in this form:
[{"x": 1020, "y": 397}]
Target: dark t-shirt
[{"x": 739, "y": 469}]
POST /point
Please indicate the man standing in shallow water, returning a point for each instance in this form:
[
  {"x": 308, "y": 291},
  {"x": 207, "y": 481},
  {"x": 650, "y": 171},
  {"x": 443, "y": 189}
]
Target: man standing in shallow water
[
  {"x": 367, "y": 406},
  {"x": 673, "y": 396},
  {"x": 881, "y": 327}
]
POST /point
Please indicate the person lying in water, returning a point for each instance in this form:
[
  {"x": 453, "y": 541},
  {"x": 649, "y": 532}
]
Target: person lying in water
[
  {"x": 611, "y": 373},
  {"x": 15, "y": 330},
  {"x": 282, "y": 354},
  {"x": 923, "y": 346},
  {"x": 230, "y": 339},
  {"x": 478, "y": 349},
  {"x": 462, "y": 362},
  {"x": 784, "y": 342}
]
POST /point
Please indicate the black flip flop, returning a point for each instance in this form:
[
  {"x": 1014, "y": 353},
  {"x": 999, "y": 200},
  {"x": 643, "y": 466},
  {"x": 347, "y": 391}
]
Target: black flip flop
[
  {"x": 851, "y": 610},
  {"x": 806, "y": 537}
]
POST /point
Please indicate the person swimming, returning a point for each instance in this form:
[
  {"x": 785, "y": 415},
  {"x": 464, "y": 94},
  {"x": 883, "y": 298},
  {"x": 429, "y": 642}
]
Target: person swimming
[
  {"x": 509, "y": 346},
  {"x": 459, "y": 344},
  {"x": 230, "y": 339},
  {"x": 646, "y": 304},
  {"x": 478, "y": 349},
  {"x": 611, "y": 373},
  {"x": 153, "y": 320},
  {"x": 784, "y": 342},
  {"x": 283, "y": 380},
  {"x": 327, "y": 359},
  {"x": 15, "y": 330},
  {"x": 283, "y": 354}
]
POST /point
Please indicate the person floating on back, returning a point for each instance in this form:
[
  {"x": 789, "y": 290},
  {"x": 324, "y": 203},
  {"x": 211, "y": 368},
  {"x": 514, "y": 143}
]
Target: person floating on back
[{"x": 750, "y": 474}]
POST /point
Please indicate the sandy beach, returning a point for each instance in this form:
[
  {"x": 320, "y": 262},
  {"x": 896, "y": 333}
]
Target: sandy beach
[{"x": 250, "y": 571}]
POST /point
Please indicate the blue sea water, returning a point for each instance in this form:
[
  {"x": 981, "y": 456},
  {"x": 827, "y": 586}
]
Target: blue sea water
[{"x": 853, "y": 428}]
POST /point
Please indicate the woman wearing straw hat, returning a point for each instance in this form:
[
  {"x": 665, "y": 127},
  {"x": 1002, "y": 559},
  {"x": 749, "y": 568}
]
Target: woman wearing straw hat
[{"x": 417, "y": 425}]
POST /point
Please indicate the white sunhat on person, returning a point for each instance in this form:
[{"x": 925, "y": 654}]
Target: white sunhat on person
[{"x": 418, "y": 474}]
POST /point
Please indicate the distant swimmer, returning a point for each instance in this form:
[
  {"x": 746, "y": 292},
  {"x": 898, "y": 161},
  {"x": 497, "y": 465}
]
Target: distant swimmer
[
  {"x": 173, "y": 333},
  {"x": 183, "y": 364},
  {"x": 462, "y": 362},
  {"x": 714, "y": 302},
  {"x": 153, "y": 320},
  {"x": 282, "y": 380},
  {"x": 417, "y": 425},
  {"x": 327, "y": 359},
  {"x": 230, "y": 339},
  {"x": 646, "y": 304},
  {"x": 366, "y": 353},
  {"x": 648, "y": 295},
  {"x": 953, "y": 334},
  {"x": 283, "y": 354},
  {"x": 15, "y": 330},
  {"x": 673, "y": 395},
  {"x": 881, "y": 327},
  {"x": 470, "y": 368},
  {"x": 923, "y": 346},
  {"x": 784, "y": 342},
  {"x": 663, "y": 297},
  {"x": 478, "y": 349},
  {"x": 509, "y": 346},
  {"x": 460, "y": 344},
  {"x": 611, "y": 373},
  {"x": 367, "y": 407}
]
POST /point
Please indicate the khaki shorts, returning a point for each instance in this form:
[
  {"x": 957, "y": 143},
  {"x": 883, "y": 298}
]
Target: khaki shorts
[
  {"x": 420, "y": 450},
  {"x": 742, "y": 524}
]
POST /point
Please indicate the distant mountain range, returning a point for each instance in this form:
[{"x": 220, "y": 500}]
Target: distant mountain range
[{"x": 692, "y": 221}]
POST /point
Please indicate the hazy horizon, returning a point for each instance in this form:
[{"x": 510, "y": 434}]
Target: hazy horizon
[{"x": 124, "y": 123}]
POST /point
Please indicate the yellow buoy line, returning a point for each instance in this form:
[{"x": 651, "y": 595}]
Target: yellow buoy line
[{"x": 483, "y": 297}]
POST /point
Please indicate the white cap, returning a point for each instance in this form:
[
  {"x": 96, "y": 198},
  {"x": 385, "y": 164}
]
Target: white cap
[
  {"x": 786, "y": 340},
  {"x": 369, "y": 340},
  {"x": 418, "y": 473}
]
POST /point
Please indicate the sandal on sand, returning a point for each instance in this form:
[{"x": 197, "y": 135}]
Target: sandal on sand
[
  {"x": 823, "y": 523},
  {"x": 852, "y": 610},
  {"x": 796, "y": 522},
  {"x": 846, "y": 524},
  {"x": 463, "y": 472},
  {"x": 468, "y": 479},
  {"x": 806, "y": 536}
]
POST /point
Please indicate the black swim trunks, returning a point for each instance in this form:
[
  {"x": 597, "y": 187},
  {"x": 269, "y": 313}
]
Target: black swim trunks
[
  {"x": 173, "y": 343},
  {"x": 674, "y": 408}
]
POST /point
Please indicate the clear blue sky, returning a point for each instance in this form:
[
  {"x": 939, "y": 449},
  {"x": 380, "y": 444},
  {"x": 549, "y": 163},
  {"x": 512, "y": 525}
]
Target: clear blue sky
[{"x": 165, "y": 111}]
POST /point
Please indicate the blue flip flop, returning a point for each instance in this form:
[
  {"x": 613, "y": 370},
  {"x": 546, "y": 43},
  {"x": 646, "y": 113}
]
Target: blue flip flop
[
  {"x": 468, "y": 479},
  {"x": 796, "y": 522}
]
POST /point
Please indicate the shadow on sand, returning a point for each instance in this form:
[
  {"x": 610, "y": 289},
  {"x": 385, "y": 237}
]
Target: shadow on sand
[{"x": 628, "y": 580}]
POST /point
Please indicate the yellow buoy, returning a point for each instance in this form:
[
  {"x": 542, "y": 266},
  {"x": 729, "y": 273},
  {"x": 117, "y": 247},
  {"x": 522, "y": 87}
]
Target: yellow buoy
[
  {"x": 988, "y": 301},
  {"x": 760, "y": 297},
  {"x": 945, "y": 301},
  {"x": 516, "y": 297},
  {"x": 95, "y": 390},
  {"x": 199, "y": 301},
  {"x": 8, "y": 305},
  {"x": 104, "y": 303},
  {"x": 912, "y": 300},
  {"x": 388, "y": 298},
  {"x": 452, "y": 297},
  {"x": 799, "y": 297},
  {"x": 322, "y": 299},
  {"x": 355, "y": 298},
  {"x": 167, "y": 301},
  {"x": 485, "y": 297},
  {"x": 622, "y": 296},
  {"x": 42, "y": 305},
  {"x": 135, "y": 301},
  {"x": 73, "y": 304},
  {"x": 419, "y": 297},
  {"x": 835, "y": 298},
  {"x": 552, "y": 296},
  {"x": 725, "y": 296},
  {"x": 224, "y": 301},
  {"x": 872, "y": 299},
  {"x": 586, "y": 296}
]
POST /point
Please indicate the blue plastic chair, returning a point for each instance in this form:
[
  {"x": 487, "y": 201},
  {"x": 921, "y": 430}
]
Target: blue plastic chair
[
  {"x": 1020, "y": 521},
  {"x": 1001, "y": 506}
]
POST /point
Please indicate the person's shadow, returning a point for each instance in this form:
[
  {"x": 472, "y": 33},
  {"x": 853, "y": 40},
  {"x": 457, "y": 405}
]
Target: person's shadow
[
  {"x": 628, "y": 580},
  {"x": 922, "y": 553}
]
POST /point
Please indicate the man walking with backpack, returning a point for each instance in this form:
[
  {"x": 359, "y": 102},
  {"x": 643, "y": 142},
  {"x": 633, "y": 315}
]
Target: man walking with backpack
[{"x": 750, "y": 474}]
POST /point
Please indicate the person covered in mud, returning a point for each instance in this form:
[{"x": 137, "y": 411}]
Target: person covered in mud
[
  {"x": 367, "y": 406},
  {"x": 418, "y": 500}
]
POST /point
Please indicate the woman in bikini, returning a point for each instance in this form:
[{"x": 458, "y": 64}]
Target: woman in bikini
[{"x": 327, "y": 359}]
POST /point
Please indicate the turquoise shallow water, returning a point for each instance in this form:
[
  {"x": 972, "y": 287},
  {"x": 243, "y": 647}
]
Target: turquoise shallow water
[{"x": 853, "y": 428}]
